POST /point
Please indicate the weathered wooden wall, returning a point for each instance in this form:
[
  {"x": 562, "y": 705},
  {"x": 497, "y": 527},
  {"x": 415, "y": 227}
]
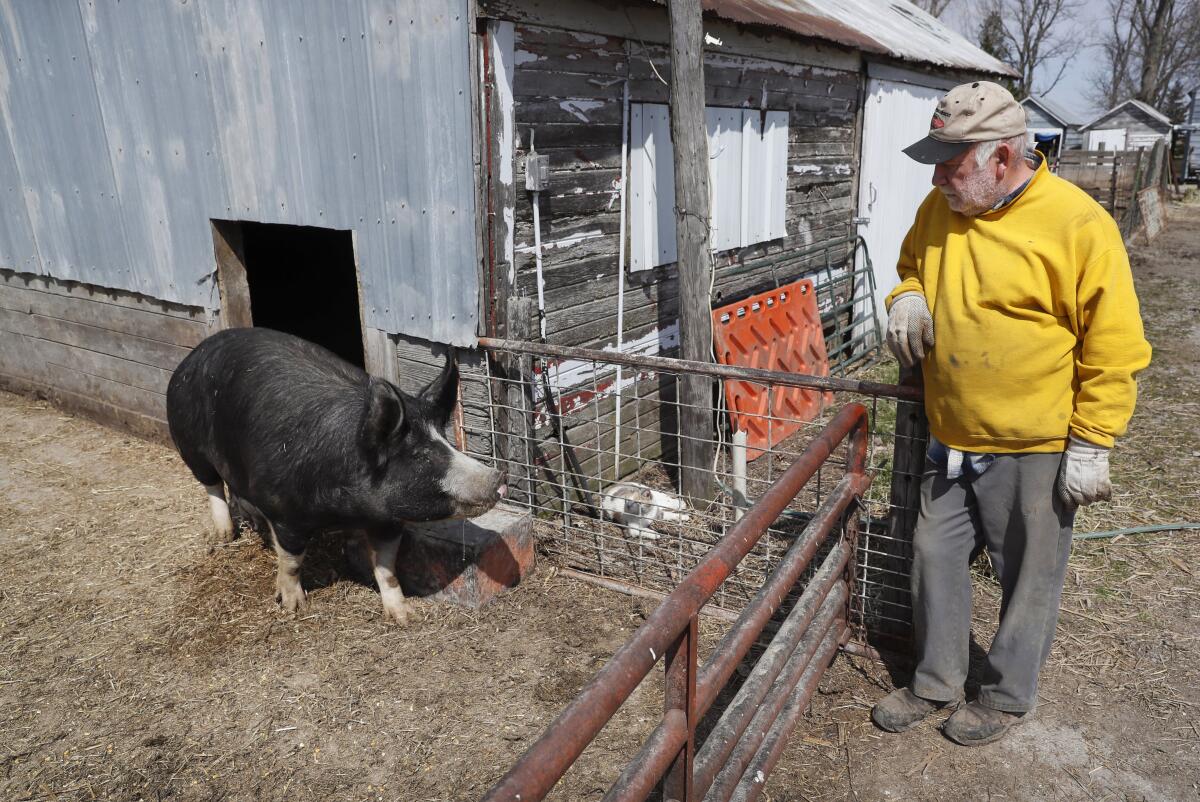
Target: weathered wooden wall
[
  {"x": 105, "y": 353},
  {"x": 568, "y": 90}
]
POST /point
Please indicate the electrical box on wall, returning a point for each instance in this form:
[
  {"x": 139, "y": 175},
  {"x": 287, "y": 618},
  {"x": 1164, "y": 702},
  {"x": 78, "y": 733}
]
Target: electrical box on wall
[{"x": 537, "y": 172}]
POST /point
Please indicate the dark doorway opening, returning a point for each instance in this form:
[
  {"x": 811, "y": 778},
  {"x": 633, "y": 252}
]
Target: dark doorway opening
[
  {"x": 298, "y": 279},
  {"x": 1048, "y": 145}
]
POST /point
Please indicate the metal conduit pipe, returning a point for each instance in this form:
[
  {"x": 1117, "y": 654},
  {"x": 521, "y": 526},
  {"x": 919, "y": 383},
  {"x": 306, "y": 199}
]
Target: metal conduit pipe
[
  {"x": 818, "y": 612},
  {"x": 753, "y": 779},
  {"x": 803, "y": 659},
  {"x": 766, "y": 601},
  {"x": 544, "y": 763},
  {"x": 669, "y": 365}
]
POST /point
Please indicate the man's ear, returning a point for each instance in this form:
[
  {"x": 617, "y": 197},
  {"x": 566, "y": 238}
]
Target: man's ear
[{"x": 1006, "y": 157}]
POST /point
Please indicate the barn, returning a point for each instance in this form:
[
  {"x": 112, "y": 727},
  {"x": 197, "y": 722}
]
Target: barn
[
  {"x": 355, "y": 173},
  {"x": 1130, "y": 125},
  {"x": 1054, "y": 129}
]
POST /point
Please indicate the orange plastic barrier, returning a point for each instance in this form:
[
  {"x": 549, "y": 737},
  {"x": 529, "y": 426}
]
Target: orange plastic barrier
[{"x": 776, "y": 330}]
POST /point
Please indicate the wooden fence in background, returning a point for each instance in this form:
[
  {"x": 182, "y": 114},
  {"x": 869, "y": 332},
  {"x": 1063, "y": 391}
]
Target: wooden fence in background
[{"x": 1116, "y": 177}]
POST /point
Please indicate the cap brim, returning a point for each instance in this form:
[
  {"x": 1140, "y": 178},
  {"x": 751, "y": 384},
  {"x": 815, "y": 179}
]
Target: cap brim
[{"x": 934, "y": 151}]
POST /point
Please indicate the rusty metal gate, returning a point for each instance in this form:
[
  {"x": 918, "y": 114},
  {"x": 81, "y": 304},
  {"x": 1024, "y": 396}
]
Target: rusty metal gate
[{"x": 747, "y": 741}]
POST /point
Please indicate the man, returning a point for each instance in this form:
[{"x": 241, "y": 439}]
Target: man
[{"x": 1017, "y": 299}]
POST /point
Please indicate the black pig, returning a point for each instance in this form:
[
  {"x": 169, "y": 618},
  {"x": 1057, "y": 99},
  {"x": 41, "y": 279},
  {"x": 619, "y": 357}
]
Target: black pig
[{"x": 315, "y": 444}]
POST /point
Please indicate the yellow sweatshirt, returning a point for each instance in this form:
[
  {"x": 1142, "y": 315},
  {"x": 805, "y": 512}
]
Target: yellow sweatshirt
[{"x": 1035, "y": 319}]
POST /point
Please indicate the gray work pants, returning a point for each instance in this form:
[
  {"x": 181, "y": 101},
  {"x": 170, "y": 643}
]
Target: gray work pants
[{"x": 1013, "y": 511}]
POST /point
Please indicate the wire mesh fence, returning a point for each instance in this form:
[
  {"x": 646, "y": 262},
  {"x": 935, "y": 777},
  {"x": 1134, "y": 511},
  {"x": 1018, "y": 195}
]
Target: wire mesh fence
[{"x": 590, "y": 440}]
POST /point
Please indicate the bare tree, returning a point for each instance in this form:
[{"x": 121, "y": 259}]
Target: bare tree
[
  {"x": 932, "y": 7},
  {"x": 1151, "y": 50},
  {"x": 1112, "y": 83},
  {"x": 1037, "y": 33}
]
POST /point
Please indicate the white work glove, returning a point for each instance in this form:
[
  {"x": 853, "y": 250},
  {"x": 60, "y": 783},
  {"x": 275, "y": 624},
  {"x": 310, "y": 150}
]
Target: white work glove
[
  {"x": 1083, "y": 475},
  {"x": 910, "y": 328}
]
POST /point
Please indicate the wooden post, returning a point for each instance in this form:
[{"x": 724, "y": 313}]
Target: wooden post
[
  {"x": 690, "y": 140},
  {"x": 231, "y": 274},
  {"x": 1112, "y": 186}
]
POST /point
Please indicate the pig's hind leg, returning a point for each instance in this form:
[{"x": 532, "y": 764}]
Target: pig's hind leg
[
  {"x": 383, "y": 548},
  {"x": 289, "y": 548},
  {"x": 206, "y": 474}
]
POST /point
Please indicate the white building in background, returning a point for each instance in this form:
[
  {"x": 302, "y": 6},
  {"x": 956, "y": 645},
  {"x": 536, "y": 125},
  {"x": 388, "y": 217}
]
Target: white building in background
[{"x": 1129, "y": 125}]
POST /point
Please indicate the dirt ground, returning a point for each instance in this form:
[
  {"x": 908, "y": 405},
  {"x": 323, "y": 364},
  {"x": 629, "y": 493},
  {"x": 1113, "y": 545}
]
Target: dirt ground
[{"x": 138, "y": 662}]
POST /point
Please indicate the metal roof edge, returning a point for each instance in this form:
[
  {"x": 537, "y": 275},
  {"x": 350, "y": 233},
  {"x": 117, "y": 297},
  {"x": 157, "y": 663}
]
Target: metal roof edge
[{"x": 893, "y": 28}]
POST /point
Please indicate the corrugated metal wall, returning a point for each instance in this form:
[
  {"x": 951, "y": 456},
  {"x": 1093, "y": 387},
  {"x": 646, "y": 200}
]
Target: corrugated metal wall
[{"x": 127, "y": 126}]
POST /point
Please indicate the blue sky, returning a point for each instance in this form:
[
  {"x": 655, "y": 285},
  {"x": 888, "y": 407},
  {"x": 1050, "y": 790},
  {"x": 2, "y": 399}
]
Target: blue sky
[{"x": 1072, "y": 91}]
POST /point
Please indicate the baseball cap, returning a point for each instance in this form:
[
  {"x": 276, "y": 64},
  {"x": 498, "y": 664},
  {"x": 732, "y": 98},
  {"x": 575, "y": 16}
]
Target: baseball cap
[{"x": 976, "y": 112}]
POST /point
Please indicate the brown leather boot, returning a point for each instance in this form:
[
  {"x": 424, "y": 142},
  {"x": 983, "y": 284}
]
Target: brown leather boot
[
  {"x": 977, "y": 724},
  {"x": 902, "y": 709}
]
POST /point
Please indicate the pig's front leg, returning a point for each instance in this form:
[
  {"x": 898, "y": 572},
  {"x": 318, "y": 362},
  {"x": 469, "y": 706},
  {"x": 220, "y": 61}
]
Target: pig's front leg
[
  {"x": 383, "y": 548},
  {"x": 289, "y": 548}
]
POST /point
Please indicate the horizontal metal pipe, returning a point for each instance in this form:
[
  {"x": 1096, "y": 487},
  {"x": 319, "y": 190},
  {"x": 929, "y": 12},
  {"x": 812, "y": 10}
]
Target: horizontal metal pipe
[
  {"x": 647, "y": 768},
  {"x": 755, "y": 776},
  {"x": 766, "y": 601},
  {"x": 806, "y": 657},
  {"x": 815, "y": 613},
  {"x": 633, "y": 590},
  {"x": 565, "y": 739},
  {"x": 704, "y": 369}
]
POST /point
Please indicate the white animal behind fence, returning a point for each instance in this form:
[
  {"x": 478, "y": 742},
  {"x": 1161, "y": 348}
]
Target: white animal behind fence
[{"x": 635, "y": 507}]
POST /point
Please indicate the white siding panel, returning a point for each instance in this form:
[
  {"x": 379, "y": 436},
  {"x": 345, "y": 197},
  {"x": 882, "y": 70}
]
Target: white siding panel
[
  {"x": 1106, "y": 139},
  {"x": 652, "y": 182},
  {"x": 725, "y": 176},
  {"x": 747, "y": 180},
  {"x": 892, "y": 186},
  {"x": 767, "y": 166}
]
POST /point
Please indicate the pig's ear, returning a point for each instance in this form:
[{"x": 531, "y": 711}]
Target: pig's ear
[
  {"x": 383, "y": 419},
  {"x": 442, "y": 392}
]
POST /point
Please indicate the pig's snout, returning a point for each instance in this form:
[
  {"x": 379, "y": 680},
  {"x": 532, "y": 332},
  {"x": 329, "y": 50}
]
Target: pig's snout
[{"x": 473, "y": 487}]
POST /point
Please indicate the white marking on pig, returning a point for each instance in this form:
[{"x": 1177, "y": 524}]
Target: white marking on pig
[
  {"x": 468, "y": 481},
  {"x": 288, "y": 591},
  {"x": 222, "y": 521},
  {"x": 383, "y": 559}
]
